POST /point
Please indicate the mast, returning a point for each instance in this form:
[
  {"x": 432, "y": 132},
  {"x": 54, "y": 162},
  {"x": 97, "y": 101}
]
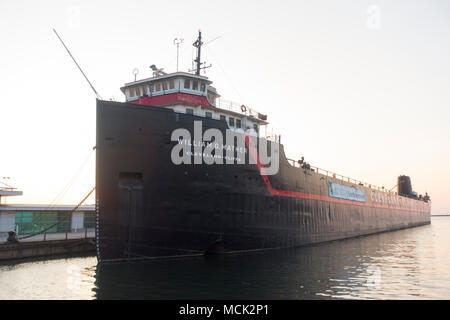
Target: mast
[{"x": 198, "y": 44}]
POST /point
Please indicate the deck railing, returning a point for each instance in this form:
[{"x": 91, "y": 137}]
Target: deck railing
[
  {"x": 239, "y": 108},
  {"x": 330, "y": 174}
]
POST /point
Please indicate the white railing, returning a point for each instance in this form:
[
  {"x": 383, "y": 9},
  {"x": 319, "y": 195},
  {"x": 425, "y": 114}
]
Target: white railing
[
  {"x": 239, "y": 108},
  {"x": 61, "y": 226},
  {"x": 327, "y": 173}
]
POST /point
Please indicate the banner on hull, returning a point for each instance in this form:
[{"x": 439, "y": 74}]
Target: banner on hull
[{"x": 336, "y": 190}]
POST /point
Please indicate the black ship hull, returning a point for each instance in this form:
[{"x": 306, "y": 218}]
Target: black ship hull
[{"x": 147, "y": 206}]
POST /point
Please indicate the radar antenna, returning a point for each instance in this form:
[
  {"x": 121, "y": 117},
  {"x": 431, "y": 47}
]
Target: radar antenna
[{"x": 156, "y": 71}]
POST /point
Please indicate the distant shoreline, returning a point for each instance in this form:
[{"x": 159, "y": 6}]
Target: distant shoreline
[{"x": 440, "y": 215}]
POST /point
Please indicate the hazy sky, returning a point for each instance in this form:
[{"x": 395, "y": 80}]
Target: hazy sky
[{"x": 361, "y": 88}]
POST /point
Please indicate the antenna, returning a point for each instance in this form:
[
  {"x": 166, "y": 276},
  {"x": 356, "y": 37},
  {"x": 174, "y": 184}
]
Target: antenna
[
  {"x": 178, "y": 42},
  {"x": 95, "y": 91},
  {"x": 212, "y": 40}
]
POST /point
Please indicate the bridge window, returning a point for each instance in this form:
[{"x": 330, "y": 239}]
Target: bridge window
[
  {"x": 171, "y": 84},
  {"x": 187, "y": 84},
  {"x": 195, "y": 85},
  {"x": 151, "y": 88},
  {"x": 131, "y": 92},
  {"x": 189, "y": 111},
  {"x": 231, "y": 121},
  {"x": 164, "y": 85},
  {"x": 202, "y": 87},
  {"x": 208, "y": 114},
  {"x": 238, "y": 123},
  {"x": 255, "y": 126},
  {"x": 223, "y": 118},
  {"x": 157, "y": 86},
  {"x": 138, "y": 91}
]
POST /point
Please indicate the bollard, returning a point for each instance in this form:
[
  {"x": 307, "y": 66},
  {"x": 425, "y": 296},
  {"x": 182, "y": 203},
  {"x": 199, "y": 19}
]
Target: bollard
[{"x": 12, "y": 237}]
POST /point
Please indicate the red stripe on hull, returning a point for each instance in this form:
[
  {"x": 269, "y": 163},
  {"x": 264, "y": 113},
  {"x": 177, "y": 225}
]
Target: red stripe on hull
[{"x": 294, "y": 194}]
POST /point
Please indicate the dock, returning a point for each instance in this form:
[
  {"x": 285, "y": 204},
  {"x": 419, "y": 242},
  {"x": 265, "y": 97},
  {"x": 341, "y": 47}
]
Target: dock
[
  {"x": 66, "y": 231},
  {"x": 48, "y": 248}
]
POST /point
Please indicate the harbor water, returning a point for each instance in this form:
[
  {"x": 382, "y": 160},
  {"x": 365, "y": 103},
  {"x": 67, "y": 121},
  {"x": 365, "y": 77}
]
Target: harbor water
[{"x": 406, "y": 264}]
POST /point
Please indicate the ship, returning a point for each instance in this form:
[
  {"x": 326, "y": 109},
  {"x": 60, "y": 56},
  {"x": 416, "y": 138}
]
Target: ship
[{"x": 179, "y": 173}]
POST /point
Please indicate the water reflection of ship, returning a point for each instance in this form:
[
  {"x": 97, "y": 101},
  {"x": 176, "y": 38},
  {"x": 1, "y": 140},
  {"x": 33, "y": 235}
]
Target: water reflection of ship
[{"x": 359, "y": 268}]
